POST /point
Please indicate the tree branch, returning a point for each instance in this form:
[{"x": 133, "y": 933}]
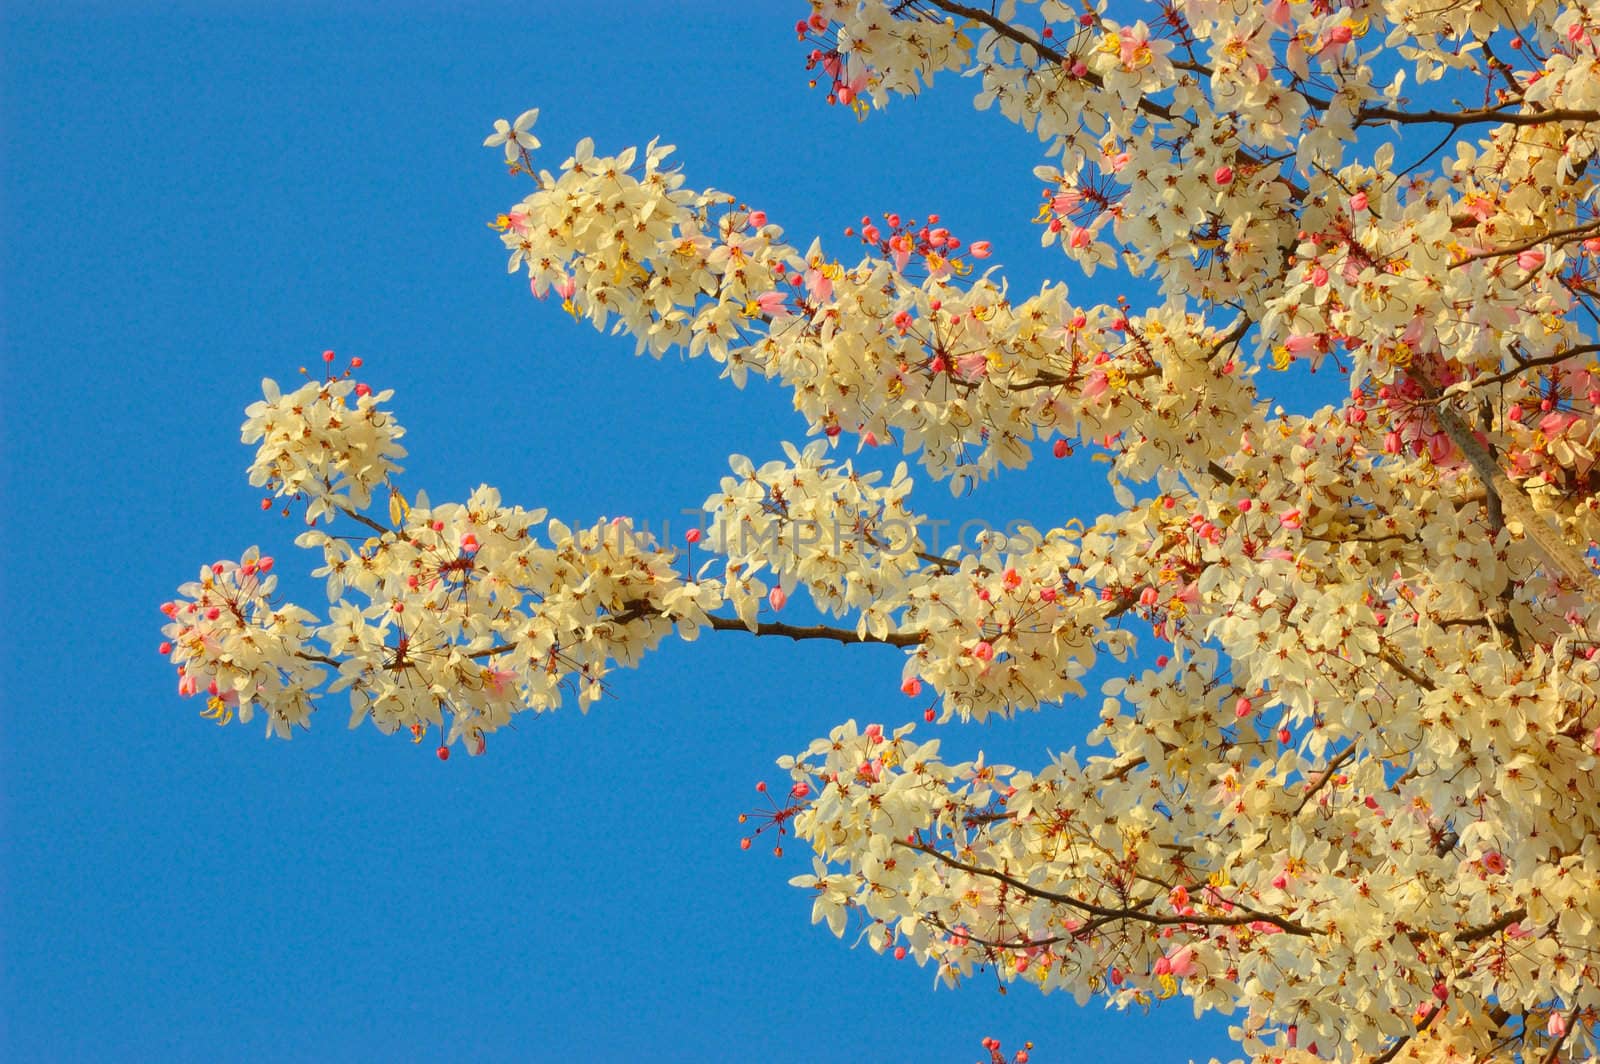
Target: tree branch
[
  {"x": 1530, "y": 242},
  {"x": 1136, "y": 914},
  {"x": 813, "y": 631},
  {"x": 1486, "y": 114},
  {"x": 1400, "y": 1043},
  {"x": 1556, "y": 550},
  {"x": 1476, "y": 934}
]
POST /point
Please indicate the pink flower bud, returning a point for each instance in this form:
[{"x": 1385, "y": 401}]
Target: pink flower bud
[
  {"x": 758, "y": 219},
  {"x": 984, "y": 651},
  {"x": 1223, "y": 175},
  {"x": 692, "y": 536},
  {"x": 1358, "y": 202},
  {"x": 912, "y": 687},
  {"x": 1242, "y": 708},
  {"x": 1531, "y": 259},
  {"x": 981, "y": 249}
]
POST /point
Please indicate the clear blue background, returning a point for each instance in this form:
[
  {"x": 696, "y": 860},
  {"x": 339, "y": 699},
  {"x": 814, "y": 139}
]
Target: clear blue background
[{"x": 195, "y": 197}]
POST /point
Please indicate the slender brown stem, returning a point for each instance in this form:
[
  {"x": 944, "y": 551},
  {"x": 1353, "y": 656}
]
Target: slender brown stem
[
  {"x": 364, "y": 519},
  {"x": 1333, "y": 767},
  {"x": 813, "y": 631},
  {"x": 1475, "y": 934},
  {"x": 1137, "y": 913},
  {"x": 1530, "y": 242},
  {"x": 1486, "y": 114}
]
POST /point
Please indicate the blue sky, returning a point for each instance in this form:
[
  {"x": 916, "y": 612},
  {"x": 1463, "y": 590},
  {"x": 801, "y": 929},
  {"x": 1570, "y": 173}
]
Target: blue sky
[{"x": 195, "y": 198}]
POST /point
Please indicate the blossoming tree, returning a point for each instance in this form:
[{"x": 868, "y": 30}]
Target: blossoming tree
[{"x": 1349, "y": 787}]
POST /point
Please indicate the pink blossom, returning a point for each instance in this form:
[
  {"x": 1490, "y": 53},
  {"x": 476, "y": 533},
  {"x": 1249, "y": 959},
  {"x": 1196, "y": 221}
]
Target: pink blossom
[
  {"x": 974, "y": 365},
  {"x": 1095, "y": 385},
  {"x": 1066, "y": 202},
  {"x": 1531, "y": 259},
  {"x": 772, "y": 304},
  {"x": 900, "y": 247},
  {"x": 818, "y": 286},
  {"x": 1556, "y": 422}
]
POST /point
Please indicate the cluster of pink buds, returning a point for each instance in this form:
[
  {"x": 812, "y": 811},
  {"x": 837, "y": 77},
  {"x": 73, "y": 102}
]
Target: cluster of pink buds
[
  {"x": 777, "y": 817},
  {"x": 899, "y": 238},
  {"x": 997, "y": 1056}
]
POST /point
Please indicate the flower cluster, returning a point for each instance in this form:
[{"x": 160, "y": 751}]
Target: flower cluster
[
  {"x": 1347, "y": 789},
  {"x": 326, "y": 442},
  {"x": 230, "y": 642}
]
